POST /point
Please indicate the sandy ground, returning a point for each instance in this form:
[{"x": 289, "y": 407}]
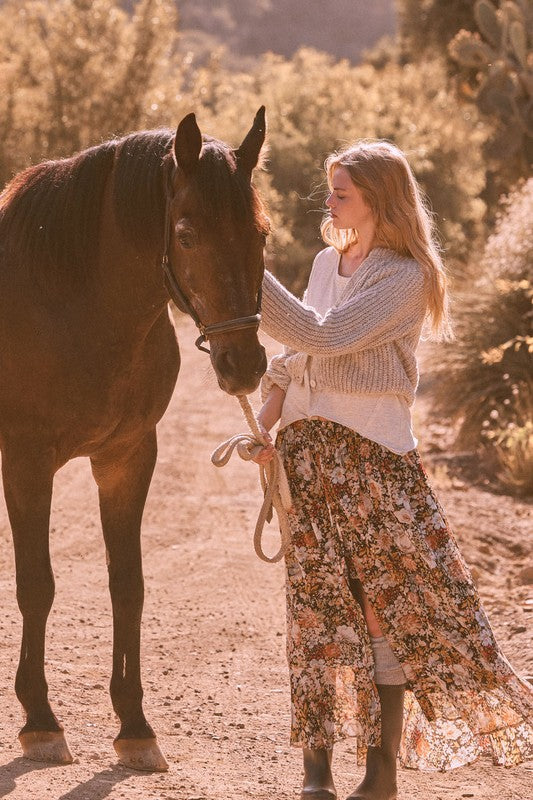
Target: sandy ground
[{"x": 214, "y": 668}]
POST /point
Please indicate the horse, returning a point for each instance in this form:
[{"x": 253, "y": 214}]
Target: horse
[{"x": 92, "y": 247}]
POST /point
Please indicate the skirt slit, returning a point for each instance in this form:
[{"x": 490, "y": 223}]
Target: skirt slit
[{"x": 362, "y": 513}]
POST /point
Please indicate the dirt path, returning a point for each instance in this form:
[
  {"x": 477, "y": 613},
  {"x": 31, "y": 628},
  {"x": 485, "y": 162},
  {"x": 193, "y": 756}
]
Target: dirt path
[{"x": 213, "y": 636}]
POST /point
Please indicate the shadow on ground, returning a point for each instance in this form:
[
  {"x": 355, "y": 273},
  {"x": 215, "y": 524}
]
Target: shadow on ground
[{"x": 98, "y": 787}]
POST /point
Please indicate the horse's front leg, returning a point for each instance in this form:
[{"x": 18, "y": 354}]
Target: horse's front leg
[
  {"x": 28, "y": 472},
  {"x": 123, "y": 482}
]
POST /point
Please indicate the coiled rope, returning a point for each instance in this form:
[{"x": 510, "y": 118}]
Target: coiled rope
[{"x": 273, "y": 479}]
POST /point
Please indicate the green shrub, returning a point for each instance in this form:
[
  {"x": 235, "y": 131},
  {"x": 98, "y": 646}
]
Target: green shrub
[
  {"x": 485, "y": 378},
  {"x": 74, "y": 72}
]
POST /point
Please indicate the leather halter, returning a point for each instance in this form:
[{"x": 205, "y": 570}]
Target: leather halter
[{"x": 177, "y": 295}]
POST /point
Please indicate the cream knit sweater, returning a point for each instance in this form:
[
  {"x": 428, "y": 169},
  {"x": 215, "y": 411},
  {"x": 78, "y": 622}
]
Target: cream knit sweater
[{"x": 366, "y": 344}]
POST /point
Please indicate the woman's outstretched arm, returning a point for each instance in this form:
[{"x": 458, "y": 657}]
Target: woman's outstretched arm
[{"x": 386, "y": 310}]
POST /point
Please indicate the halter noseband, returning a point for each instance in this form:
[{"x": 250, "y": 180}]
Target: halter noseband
[{"x": 177, "y": 295}]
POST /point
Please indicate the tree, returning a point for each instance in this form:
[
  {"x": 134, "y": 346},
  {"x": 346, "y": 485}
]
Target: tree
[{"x": 75, "y": 72}]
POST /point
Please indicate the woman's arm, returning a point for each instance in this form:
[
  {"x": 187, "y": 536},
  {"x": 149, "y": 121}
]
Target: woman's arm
[
  {"x": 384, "y": 311},
  {"x": 271, "y": 410},
  {"x": 267, "y": 418},
  {"x": 276, "y": 373}
]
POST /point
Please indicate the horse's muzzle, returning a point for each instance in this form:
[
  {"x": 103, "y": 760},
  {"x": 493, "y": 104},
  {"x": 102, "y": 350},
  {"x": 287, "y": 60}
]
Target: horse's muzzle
[{"x": 239, "y": 369}]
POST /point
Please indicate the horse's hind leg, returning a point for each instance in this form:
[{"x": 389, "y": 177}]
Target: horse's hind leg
[
  {"x": 28, "y": 476},
  {"x": 123, "y": 482}
]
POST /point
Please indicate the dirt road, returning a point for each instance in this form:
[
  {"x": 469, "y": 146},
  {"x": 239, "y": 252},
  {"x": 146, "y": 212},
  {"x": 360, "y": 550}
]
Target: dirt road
[{"x": 214, "y": 669}]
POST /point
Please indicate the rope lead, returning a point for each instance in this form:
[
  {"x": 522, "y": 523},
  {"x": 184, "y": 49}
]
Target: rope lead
[{"x": 273, "y": 479}]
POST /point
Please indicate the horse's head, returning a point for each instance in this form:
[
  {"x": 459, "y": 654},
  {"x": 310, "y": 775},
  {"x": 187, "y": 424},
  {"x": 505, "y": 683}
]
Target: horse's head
[{"x": 217, "y": 232}]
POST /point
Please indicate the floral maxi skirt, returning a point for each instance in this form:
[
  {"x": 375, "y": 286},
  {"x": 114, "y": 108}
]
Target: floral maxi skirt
[{"x": 361, "y": 512}]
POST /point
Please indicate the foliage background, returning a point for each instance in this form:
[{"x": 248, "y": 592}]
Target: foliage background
[{"x": 74, "y": 73}]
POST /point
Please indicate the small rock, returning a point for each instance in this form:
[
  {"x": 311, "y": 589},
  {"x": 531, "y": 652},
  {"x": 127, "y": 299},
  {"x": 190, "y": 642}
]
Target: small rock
[
  {"x": 518, "y": 629},
  {"x": 525, "y": 576}
]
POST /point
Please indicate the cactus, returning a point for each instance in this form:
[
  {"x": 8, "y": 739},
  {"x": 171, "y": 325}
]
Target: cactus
[
  {"x": 470, "y": 51},
  {"x": 488, "y": 22},
  {"x": 492, "y": 100},
  {"x": 526, "y": 6},
  {"x": 512, "y": 12},
  {"x": 506, "y": 142},
  {"x": 502, "y": 85},
  {"x": 526, "y": 120},
  {"x": 518, "y": 41}
]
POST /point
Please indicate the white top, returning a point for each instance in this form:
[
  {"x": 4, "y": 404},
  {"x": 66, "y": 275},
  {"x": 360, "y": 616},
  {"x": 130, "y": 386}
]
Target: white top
[{"x": 383, "y": 418}]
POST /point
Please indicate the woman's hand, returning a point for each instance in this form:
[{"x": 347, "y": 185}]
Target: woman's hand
[
  {"x": 267, "y": 417},
  {"x": 267, "y": 453}
]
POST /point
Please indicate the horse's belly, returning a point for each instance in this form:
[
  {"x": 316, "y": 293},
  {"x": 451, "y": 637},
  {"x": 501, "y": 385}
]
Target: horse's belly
[{"x": 76, "y": 396}]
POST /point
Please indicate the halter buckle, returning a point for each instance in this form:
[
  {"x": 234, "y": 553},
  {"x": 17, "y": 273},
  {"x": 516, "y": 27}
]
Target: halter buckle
[{"x": 202, "y": 338}]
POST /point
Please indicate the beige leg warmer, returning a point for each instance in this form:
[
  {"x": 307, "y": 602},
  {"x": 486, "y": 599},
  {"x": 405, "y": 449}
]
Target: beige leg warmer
[{"x": 387, "y": 668}]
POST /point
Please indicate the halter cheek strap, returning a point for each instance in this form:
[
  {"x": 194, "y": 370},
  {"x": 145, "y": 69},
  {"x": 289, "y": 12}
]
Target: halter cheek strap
[{"x": 181, "y": 300}]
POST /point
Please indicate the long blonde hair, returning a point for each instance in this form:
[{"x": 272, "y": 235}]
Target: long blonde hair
[{"x": 403, "y": 220}]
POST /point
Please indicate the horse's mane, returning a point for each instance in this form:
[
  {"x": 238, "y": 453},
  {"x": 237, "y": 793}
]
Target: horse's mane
[{"x": 50, "y": 213}]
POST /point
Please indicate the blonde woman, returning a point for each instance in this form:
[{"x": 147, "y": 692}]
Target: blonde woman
[{"x": 379, "y": 599}]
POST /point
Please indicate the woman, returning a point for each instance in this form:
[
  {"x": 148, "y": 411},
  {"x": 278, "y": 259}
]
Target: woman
[{"x": 379, "y": 599}]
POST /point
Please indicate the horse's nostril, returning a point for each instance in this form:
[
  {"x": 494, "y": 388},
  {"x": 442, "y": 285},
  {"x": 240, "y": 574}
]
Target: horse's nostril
[
  {"x": 227, "y": 361},
  {"x": 243, "y": 369}
]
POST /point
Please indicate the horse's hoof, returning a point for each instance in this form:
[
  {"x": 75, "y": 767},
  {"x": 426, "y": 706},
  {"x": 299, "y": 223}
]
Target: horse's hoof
[
  {"x": 143, "y": 754},
  {"x": 49, "y": 746}
]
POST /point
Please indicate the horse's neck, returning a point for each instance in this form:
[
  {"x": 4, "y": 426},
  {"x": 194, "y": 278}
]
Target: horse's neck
[
  {"x": 129, "y": 301},
  {"x": 129, "y": 284}
]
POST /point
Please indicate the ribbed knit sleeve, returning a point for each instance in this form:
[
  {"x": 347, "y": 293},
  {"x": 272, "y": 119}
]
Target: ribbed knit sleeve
[
  {"x": 276, "y": 374},
  {"x": 387, "y": 307}
]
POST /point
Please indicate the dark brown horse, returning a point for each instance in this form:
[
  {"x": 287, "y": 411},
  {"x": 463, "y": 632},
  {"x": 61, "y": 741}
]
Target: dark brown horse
[{"x": 90, "y": 247}]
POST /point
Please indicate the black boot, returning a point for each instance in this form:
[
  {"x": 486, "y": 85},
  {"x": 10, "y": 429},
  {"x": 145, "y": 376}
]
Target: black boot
[
  {"x": 318, "y": 780},
  {"x": 379, "y": 782}
]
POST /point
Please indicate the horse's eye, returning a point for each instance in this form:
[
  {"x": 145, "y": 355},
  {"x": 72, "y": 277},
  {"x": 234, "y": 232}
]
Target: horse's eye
[{"x": 186, "y": 239}]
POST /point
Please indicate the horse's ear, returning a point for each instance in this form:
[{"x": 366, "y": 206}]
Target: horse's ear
[
  {"x": 187, "y": 143},
  {"x": 248, "y": 153}
]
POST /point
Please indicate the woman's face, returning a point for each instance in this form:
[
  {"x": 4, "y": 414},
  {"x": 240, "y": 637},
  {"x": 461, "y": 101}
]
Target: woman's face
[{"x": 345, "y": 202}]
